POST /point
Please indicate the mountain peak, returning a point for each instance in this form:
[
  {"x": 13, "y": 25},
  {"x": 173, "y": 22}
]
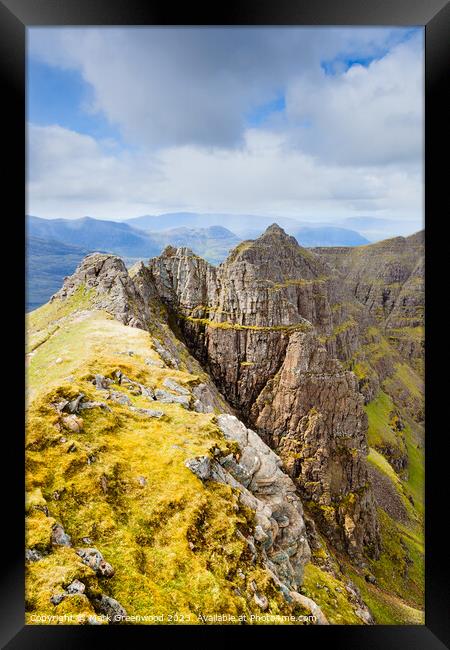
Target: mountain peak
[
  {"x": 275, "y": 229},
  {"x": 274, "y": 235}
]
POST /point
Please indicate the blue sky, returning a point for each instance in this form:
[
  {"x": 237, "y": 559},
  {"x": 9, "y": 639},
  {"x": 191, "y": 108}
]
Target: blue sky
[
  {"x": 59, "y": 96},
  {"x": 127, "y": 121}
]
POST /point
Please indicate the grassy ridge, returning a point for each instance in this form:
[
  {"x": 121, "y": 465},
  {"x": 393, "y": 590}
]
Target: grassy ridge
[{"x": 121, "y": 482}]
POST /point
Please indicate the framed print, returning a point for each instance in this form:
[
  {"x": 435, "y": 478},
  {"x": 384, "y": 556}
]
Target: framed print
[{"x": 233, "y": 420}]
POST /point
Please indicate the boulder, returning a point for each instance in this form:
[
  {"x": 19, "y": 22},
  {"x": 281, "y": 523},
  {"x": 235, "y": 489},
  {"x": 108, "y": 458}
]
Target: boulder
[
  {"x": 200, "y": 466},
  {"x": 94, "y": 559},
  {"x": 120, "y": 398},
  {"x": 168, "y": 398},
  {"x": 72, "y": 423},
  {"x": 59, "y": 536},
  {"x": 171, "y": 384},
  {"x": 76, "y": 587},
  {"x": 149, "y": 413},
  {"x": 111, "y": 608}
]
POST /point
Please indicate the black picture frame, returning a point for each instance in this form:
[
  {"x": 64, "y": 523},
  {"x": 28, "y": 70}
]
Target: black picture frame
[{"x": 15, "y": 17}]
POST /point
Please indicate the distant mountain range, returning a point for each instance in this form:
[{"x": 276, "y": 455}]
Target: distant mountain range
[
  {"x": 251, "y": 226},
  {"x": 95, "y": 234},
  {"x": 243, "y": 225},
  {"x": 56, "y": 246}
]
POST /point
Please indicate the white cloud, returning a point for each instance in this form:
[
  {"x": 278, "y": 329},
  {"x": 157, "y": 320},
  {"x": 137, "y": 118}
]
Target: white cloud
[
  {"x": 71, "y": 175},
  {"x": 165, "y": 87},
  {"x": 367, "y": 115},
  {"x": 347, "y": 144}
]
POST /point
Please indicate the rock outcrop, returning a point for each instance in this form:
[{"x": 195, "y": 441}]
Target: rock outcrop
[
  {"x": 313, "y": 415},
  {"x": 249, "y": 322},
  {"x": 112, "y": 287},
  {"x": 280, "y": 533}
]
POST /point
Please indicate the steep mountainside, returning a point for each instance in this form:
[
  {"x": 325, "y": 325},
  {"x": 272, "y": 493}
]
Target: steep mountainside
[
  {"x": 388, "y": 278},
  {"x": 198, "y": 443},
  {"x": 268, "y": 325}
]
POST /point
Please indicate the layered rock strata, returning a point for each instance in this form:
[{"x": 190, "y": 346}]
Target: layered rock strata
[
  {"x": 313, "y": 415},
  {"x": 264, "y": 324}
]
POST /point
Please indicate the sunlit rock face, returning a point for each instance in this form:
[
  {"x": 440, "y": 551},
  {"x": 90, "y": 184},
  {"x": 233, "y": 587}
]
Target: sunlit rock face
[{"x": 264, "y": 323}]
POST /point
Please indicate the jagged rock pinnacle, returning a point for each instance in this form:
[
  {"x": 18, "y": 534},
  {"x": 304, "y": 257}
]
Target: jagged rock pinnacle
[
  {"x": 275, "y": 229},
  {"x": 275, "y": 235}
]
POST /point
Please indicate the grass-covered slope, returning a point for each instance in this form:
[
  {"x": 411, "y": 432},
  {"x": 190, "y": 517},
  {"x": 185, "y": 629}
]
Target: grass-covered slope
[
  {"x": 396, "y": 460},
  {"x": 120, "y": 481},
  {"x": 113, "y": 479}
]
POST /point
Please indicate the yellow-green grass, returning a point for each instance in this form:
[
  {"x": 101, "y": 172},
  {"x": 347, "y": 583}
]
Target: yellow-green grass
[
  {"x": 305, "y": 282},
  {"x": 416, "y": 469},
  {"x": 227, "y": 325},
  {"x": 379, "y": 412},
  {"x": 408, "y": 379},
  {"x": 414, "y": 333},
  {"x": 122, "y": 482},
  {"x": 80, "y": 346},
  {"x": 402, "y": 487},
  {"x": 398, "y": 595},
  {"x": 385, "y": 608},
  {"x": 330, "y": 594},
  {"x": 44, "y": 321}
]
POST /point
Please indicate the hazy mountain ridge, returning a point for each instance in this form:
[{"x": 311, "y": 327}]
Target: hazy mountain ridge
[
  {"x": 250, "y": 226},
  {"x": 95, "y": 234}
]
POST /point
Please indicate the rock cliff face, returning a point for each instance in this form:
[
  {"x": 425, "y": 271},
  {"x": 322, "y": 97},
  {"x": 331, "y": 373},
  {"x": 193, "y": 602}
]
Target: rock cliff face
[
  {"x": 313, "y": 415},
  {"x": 237, "y": 318},
  {"x": 263, "y": 324}
]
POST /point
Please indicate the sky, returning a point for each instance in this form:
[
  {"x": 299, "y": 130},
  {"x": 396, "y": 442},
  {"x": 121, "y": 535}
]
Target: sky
[{"x": 318, "y": 124}]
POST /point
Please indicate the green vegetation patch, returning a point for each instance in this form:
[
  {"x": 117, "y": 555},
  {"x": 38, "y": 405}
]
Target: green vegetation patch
[
  {"x": 385, "y": 608},
  {"x": 330, "y": 594},
  {"x": 226, "y": 325},
  {"x": 379, "y": 413}
]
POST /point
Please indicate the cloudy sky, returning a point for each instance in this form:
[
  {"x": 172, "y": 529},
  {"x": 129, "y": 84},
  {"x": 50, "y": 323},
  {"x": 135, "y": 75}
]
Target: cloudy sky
[{"x": 314, "y": 123}]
